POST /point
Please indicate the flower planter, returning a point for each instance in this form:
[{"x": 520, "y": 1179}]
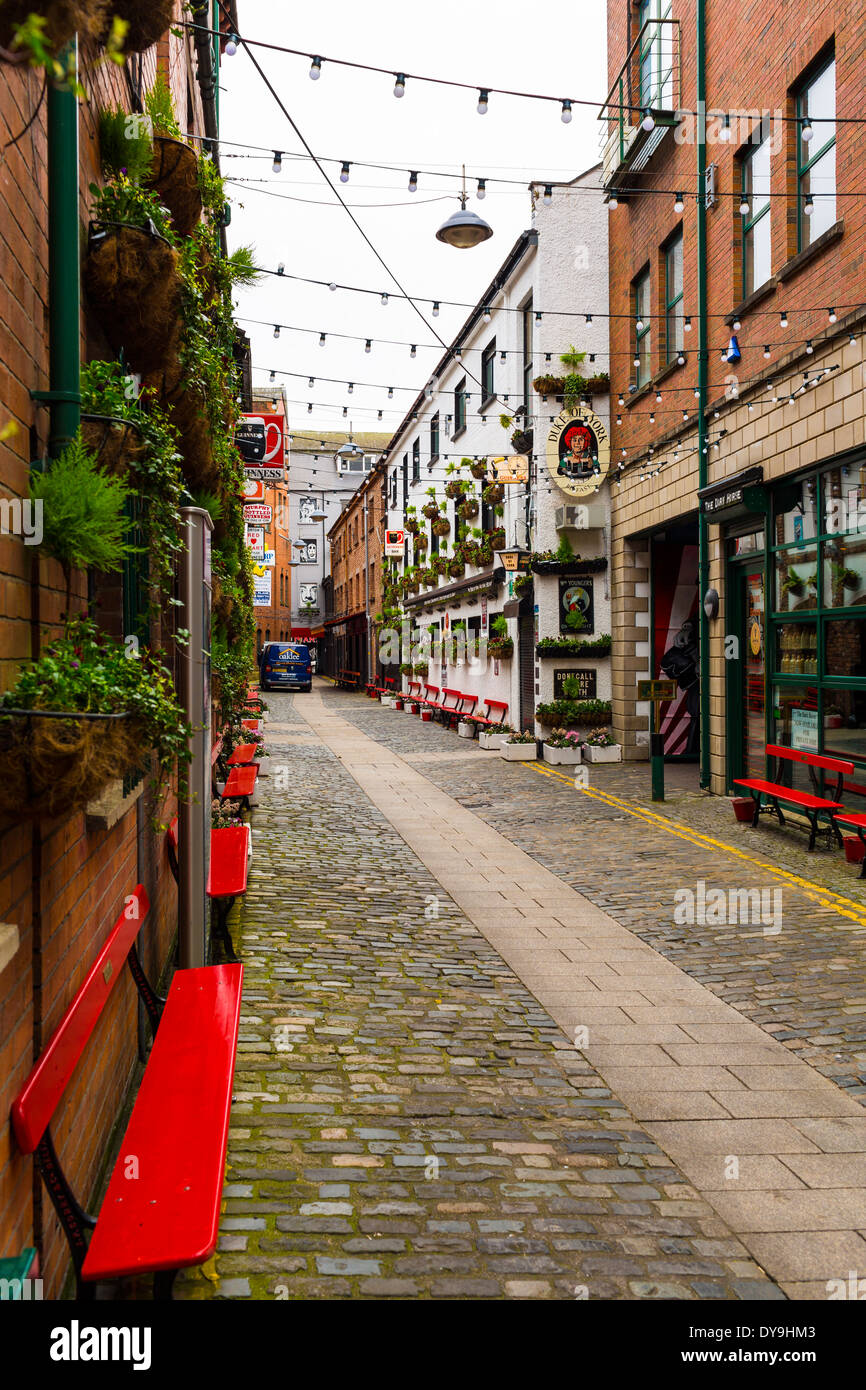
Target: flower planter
[
  {"x": 465, "y": 730},
  {"x": 174, "y": 177},
  {"x": 493, "y": 741},
  {"x": 397, "y": 702},
  {"x": 561, "y": 757},
  {"x": 53, "y": 766},
  {"x": 502, "y": 648},
  {"x": 414, "y": 709},
  {"x": 386, "y": 701},
  {"x": 611, "y": 754},
  {"x": 426, "y": 715},
  {"x": 63, "y": 19},
  {"x": 131, "y": 280},
  {"x": 112, "y": 440},
  {"x": 519, "y": 752},
  {"x": 575, "y": 566},
  {"x": 854, "y": 849},
  {"x": 744, "y": 808},
  {"x": 148, "y": 20}
]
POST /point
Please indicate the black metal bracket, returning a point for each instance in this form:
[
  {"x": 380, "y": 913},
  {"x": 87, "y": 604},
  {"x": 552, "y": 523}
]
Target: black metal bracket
[
  {"x": 72, "y": 1216},
  {"x": 153, "y": 1003}
]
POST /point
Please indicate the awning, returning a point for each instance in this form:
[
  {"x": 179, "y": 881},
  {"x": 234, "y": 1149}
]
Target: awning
[
  {"x": 317, "y": 632},
  {"x": 301, "y": 634}
]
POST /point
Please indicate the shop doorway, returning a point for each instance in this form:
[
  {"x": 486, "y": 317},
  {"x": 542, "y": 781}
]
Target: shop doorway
[
  {"x": 747, "y": 671},
  {"x": 675, "y": 634}
]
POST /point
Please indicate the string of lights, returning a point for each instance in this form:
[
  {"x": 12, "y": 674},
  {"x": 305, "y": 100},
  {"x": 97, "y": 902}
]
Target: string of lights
[{"x": 401, "y": 79}]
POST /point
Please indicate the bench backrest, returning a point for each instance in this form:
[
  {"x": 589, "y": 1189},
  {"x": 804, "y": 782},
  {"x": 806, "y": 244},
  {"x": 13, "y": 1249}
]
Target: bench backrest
[
  {"x": 414, "y": 688},
  {"x": 468, "y": 703},
  {"x": 452, "y": 695},
  {"x": 500, "y": 705},
  {"x": 431, "y": 690},
  {"x": 215, "y": 750},
  {"x": 799, "y": 755},
  {"x": 389, "y": 680},
  {"x": 36, "y": 1102}
]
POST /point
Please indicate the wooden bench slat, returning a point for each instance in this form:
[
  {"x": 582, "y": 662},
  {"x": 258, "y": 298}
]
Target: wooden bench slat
[
  {"x": 229, "y": 861},
  {"x": 168, "y": 1216},
  {"x": 40, "y": 1096},
  {"x": 244, "y": 753},
  {"x": 798, "y": 755},
  {"x": 775, "y": 789},
  {"x": 241, "y": 781}
]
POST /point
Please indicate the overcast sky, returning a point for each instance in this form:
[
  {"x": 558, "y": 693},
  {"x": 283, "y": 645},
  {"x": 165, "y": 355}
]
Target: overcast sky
[{"x": 352, "y": 115}]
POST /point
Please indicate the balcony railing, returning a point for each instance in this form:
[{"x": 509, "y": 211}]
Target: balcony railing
[{"x": 649, "y": 81}]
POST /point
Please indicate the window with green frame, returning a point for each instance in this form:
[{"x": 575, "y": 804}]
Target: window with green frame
[
  {"x": 642, "y": 329},
  {"x": 816, "y": 156},
  {"x": 527, "y": 356},
  {"x": 757, "y": 257},
  {"x": 674, "y": 338},
  {"x": 655, "y": 55},
  {"x": 818, "y": 602}
]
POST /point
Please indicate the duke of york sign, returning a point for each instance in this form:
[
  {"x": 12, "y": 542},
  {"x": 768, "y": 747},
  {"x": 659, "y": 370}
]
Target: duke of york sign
[{"x": 578, "y": 451}]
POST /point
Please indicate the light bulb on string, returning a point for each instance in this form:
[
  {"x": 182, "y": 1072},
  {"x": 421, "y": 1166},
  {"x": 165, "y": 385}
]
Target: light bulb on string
[
  {"x": 806, "y": 129},
  {"x": 322, "y": 337},
  {"x": 767, "y": 351},
  {"x": 276, "y": 330},
  {"x": 384, "y": 299},
  {"x": 273, "y": 376},
  {"x": 687, "y": 323},
  {"x": 486, "y": 314},
  {"x": 278, "y": 161},
  {"x": 311, "y": 383},
  {"x": 390, "y": 393},
  {"x": 315, "y": 69},
  {"x": 413, "y": 351},
  {"x": 783, "y": 319},
  {"x": 399, "y": 84},
  {"x": 726, "y": 135},
  {"x": 679, "y": 203},
  {"x": 435, "y": 308},
  {"x": 483, "y": 99},
  {"x": 808, "y": 206},
  {"x": 281, "y": 268},
  {"x": 745, "y": 206},
  {"x": 413, "y": 181},
  {"x": 566, "y": 113},
  {"x": 231, "y": 47},
  {"x": 648, "y": 121},
  {"x": 368, "y": 346},
  {"x": 344, "y": 172},
  {"x": 333, "y": 286},
  {"x": 613, "y": 202},
  {"x": 832, "y": 316},
  {"x": 351, "y": 387},
  {"x": 809, "y": 347},
  {"x": 547, "y": 196}
]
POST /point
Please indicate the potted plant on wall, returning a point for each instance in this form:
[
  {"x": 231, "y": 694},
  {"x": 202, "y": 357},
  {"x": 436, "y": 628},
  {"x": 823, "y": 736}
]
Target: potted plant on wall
[
  {"x": 601, "y": 747},
  {"x": 519, "y": 748},
  {"x": 561, "y": 748},
  {"x": 174, "y": 173},
  {"x": 499, "y": 644}
]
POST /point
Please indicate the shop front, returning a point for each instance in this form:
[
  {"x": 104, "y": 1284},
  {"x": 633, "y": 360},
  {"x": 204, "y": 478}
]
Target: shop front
[{"x": 794, "y": 616}]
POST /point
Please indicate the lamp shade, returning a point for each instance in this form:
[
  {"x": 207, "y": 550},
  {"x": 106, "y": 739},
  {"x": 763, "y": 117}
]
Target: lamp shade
[{"x": 464, "y": 229}]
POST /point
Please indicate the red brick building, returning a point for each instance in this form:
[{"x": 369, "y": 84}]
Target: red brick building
[
  {"x": 772, "y": 435},
  {"x": 357, "y": 540},
  {"x": 63, "y": 882}
]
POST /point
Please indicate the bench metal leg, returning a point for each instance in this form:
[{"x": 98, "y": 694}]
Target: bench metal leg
[
  {"x": 813, "y": 821},
  {"x": 222, "y": 908}
]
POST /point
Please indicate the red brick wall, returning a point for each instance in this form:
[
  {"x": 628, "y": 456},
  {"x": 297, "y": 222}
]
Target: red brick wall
[
  {"x": 757, "y": 51},
  {"x": 62, "y": 885}
]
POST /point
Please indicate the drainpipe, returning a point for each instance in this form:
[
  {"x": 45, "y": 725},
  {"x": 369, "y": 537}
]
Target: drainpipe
[
  {"x": 703, "y": 370},
  {"x": 64, "y": 270},
  {"x": 369, "y": 672}
]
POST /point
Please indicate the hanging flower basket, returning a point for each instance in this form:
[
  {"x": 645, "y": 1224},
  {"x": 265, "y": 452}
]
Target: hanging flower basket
[
  {"x": 131, "y": 281},
  {"x": 63, "y": 19},
  {"x": 521, "y": 441},
  {"x": 549, "y": 385},
  {"x": 468, "y": 508},
  {"x": 52, "y": 763},
  {"x": 478, "y": 469},
  {"x": 431, "y": 510},
  {"x": 454, "y": 488},
  {"x": 174, "y": 177},
  {"x": 493, "y": 494},
  {"x": 501, "y": 647},
  {"x": 441, "y": 526},
  {"x": 421, "y": 541},
  {"x": 113, "y": 441},
  {"x": 456, "y": 568},
  {"x": 148, "y": 20},
  {"x": 496, "y": 539},
  {"x": 189, "y": 416},
  {"x": 412, "y": 526}
]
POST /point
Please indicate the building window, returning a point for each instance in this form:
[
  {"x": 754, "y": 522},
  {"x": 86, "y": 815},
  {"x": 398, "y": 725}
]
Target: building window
[
  {"x": 405, "y": 479},
  {"x": 488, "y": 368},
  {"x": 816, "y": 158},
  {"x": 394, "y": 488},
  {"x": 460, "y": 407},
  {"x": 656, "y": 55},
  {"x": 527, "y": 358},
  {"x": 642, "y": 329},
  {"x": 674, "y": 297},
  {"x": 757, "y": 245},
  {"x": 416, "y": 460},
  {"x": 434, "y": 438}
]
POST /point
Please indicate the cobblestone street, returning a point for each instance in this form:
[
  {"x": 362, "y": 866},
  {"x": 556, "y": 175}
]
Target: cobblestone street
[{"x": 412, "y": 1118}]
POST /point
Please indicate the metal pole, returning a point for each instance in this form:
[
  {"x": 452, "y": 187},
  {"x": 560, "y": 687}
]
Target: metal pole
[
  {"x": 195, "y": 695},
  {"x": 64, "y": 270},
  {"x": 703, "y": 365},
  {"x": 657, "y": 756}
]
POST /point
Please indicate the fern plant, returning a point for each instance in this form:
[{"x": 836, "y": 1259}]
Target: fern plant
[
  {"x": 84, "y": 521},
  {"x": 125, "y": 146},
  {"x": 160, "y": 108}
]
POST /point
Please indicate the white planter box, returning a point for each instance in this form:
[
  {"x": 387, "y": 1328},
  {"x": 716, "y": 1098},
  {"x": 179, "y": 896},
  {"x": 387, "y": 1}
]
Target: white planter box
[
  {"x": 386, "y": 701},
  {"x": 613, "y": 754},
  {"x": 561, "y": 757},
  {"x": 465, "y": 730},
  {"x": 519, "y": 752},
  {"x": 490, "y": 740}
]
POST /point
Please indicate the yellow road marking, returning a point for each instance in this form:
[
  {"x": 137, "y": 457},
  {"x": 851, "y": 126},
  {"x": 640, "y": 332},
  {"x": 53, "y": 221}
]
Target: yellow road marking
[{"x": 825, "y": 897}]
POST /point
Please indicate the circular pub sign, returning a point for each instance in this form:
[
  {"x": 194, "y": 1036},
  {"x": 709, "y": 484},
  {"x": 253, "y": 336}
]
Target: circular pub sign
[{"x": 578, "y": 451}]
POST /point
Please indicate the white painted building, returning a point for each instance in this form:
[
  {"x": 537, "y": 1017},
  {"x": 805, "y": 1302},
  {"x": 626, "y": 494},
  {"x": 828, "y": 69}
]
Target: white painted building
[{"x": 549, "y": 295}]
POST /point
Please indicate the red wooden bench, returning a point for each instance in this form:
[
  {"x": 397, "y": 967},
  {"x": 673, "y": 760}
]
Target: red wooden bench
[
  {"x": 168, "y": 1216},
  {"x": 811, "y": 804},
  {"x": 447, "y": 712},
  {"x": 228, "y": 868},
  {"x": 481, "y": 721},
  {"x": 413, "y": 695},
  {"x": 428, "y": 702},
  {"x": 253, "y": 725},
  {"x": 241, "y": 781},
  {"x": 467, "y": 706},
  {"x": 388, "y": 687}
]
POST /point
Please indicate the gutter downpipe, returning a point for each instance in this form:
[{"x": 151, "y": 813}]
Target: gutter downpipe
[
  {"x": 703, "y": 366},
  {"x": 64, "y": 269}
]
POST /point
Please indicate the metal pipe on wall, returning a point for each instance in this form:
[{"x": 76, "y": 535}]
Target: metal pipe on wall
[
  {"x": 195, "y": 697},
  {"x": 64, "y": 270}
]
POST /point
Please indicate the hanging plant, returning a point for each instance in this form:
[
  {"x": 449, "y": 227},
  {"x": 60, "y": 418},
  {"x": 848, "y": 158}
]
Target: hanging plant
[
  {"x": 174, "y": 172},
  {"x": 478, "y": 468},
  {"x": 48, "y": 31},
  {"x": 456, "y": 567},
  {"x": 125, "y": 145},
  {"x": 51, "y": 766},
  {"x": 521, "y": 441},
  {"x": 441, "y": 526},
  {"x": 421, "y": 541},
  {"x": 549, "y": 385},
  {"x": 431, "y": 510},
  {"x": 468, "y": 508},
  {"x": 494, "y": 494},
  {"x": 83, "y": 509},
  {"x": 146, "y": 20},
  {"x": 131, "y": 273}
]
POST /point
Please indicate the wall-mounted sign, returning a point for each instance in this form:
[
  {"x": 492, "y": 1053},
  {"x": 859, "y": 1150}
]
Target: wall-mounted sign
[
  {"x": 310, "y": 553},
  {"x": 309, "y": 594},
  {"x": 254, "y": 490},
  {"x": 269, "y": 558},
  {"x": 262, "y": 588},
  {"x": 258, "y": 511},
  {"x": 586, "y": 679},
  {"x": 306, "y": 506},
  {"x": 513, "y": 469},
  {"x": 261, "y": 442},
  {"x": 256, "y": 541},
  {"x": 735, "y": 497},
  {"x": 517, "y": 561},
  {"x": 578, "y": 451},
  {"x": 575, "y": 602},
  {"x": 804, "y": 729},
  {"x": 394, "y": 541}
]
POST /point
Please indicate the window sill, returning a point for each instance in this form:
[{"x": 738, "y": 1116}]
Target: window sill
[
  {"x": 752, "y": 300},
  {"x": 805, "y": 257},
  {"x": 655, "y": 381},
  {"x": 487, "y": 403},
  {"x": 458, "y": 433}
]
